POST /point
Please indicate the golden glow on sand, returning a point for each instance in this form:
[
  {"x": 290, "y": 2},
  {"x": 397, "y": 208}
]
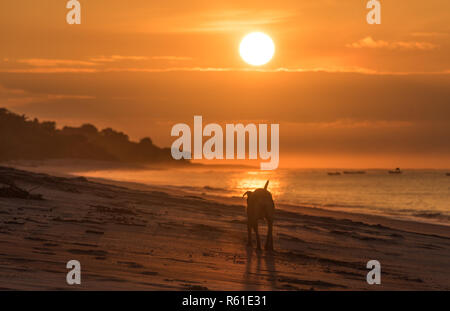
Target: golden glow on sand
[{"x": 257, "y": 49}]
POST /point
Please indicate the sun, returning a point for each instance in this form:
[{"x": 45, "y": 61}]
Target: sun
[{"x": 257, "y": 49}]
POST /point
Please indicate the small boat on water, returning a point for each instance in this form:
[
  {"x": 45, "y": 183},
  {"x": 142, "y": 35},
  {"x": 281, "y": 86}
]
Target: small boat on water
[
  {"x": 448, "y": 174},
  {"x": 334, "y": 173},
  {"x": 396, "y": 171},
  {"x": 354, "y": 172}
]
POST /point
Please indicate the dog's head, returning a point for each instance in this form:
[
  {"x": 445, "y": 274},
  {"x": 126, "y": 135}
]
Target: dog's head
[{"x": 250, "y": 193}]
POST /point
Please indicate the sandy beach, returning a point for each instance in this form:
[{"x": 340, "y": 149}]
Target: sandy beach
[{"x": 139, "y": 237}]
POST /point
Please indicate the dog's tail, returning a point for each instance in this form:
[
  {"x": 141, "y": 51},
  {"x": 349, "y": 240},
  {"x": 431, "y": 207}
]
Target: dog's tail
[{"x": 267, "y": 183}]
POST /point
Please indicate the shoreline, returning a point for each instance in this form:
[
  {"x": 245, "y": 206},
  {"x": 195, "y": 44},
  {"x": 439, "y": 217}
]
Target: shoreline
[
  {"x": 290, "y": 207},
  {"x": 68, "y": 168},
  {"x": 149, "y": 239}
]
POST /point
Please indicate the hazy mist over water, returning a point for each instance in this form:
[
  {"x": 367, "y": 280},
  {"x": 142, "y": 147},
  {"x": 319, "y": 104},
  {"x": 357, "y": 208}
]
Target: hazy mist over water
[{"x": 419, "y": 194}]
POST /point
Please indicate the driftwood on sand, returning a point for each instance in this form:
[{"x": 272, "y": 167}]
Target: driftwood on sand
[{"x": 8, "y": 189}]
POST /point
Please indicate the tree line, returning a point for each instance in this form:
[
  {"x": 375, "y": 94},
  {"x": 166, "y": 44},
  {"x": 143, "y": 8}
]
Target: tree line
[{"x": 25, "y": 139}]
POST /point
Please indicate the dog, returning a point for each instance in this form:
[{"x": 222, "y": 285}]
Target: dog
[{"x": 260, "y": 205}]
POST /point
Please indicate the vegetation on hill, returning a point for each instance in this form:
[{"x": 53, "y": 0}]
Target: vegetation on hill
[{"x": 24, "y": 139}]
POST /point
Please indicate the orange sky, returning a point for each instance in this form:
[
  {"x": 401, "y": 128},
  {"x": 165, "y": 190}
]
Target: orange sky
[{"x": 344, "y": 92}]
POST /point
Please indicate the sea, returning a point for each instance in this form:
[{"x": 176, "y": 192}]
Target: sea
[{"x": 420, "y": 195}]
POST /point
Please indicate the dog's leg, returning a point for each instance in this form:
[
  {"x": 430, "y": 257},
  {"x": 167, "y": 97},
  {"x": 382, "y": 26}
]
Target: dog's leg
[
  {"x": 249, "y": 231},
  {"x": 269, "y": 239},
  {"x": 258, "y": 242}
]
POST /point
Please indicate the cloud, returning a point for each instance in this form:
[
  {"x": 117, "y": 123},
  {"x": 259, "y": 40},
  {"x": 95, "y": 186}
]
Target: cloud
[
  {"x": 172, "y": 58},
  {"x": 65, "y": 96},
  {"x": 231, "y": 20},
  {"x": 51, "y": 70},
  {"x": 63, "y": 65},
  {"x": 429, "y": 34},
  {"x": 13, "y": 97},
  {"x": 41, "y": 62},
  {"x": 369, "y": 42},
  {"x": 334, "y": 69},
  {"x": 115, "y": 58},
  {"x": 356, "y": 124}
]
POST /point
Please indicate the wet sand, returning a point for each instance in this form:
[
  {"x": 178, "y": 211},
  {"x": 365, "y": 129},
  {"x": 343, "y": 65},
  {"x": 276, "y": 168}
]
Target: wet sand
[{"x": 137, "y": 237}]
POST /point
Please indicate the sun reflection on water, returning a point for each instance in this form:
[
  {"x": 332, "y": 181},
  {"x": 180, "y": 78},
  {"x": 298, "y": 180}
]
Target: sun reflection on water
[{"x": 257, "y": 179}]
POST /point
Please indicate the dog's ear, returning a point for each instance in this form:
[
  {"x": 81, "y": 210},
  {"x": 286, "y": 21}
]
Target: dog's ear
[{"x": 248, "y": 193}]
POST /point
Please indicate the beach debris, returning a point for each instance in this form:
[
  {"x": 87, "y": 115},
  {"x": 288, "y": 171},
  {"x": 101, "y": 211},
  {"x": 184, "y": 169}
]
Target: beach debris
[
  {"x": 396, "y": 171},
  {"x": 13, "y": 191},
  {"x": 334, "y": 173},
  {"x": 81, "y": 179}
]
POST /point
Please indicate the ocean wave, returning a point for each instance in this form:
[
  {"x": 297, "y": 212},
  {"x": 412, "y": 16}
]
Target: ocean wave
[
  {"x": 209, "y": 188},
  {"x": 432, "y": 215}
]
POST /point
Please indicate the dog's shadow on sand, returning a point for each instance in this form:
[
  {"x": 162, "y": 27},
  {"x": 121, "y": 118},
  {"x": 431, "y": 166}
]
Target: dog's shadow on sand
[{"x": 260, "y": 269}]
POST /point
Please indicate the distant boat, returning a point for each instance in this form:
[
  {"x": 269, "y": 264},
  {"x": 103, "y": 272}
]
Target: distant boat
[
  {"x": 448, "y": 174},
  {"x": 334, "y": 173},
  {"x": 396, "y": 171},
  {"x": 354, "y": 172}
]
